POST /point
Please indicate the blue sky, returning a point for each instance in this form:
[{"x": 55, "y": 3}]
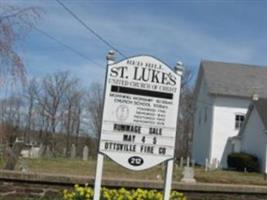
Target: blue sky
[{"x": 229, "y": 31}]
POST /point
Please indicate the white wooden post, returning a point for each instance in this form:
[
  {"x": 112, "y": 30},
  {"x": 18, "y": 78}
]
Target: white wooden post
[
  {"x": 168, "y": 179},
  {"x": 169, "y": 165},
  {"x": 98, "y": 176},
  {"x": 100, "y": 157}
]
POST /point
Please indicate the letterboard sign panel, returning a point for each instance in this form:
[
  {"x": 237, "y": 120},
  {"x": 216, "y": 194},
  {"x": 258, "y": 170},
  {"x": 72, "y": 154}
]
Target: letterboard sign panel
[{"x": 140, "y": 112}]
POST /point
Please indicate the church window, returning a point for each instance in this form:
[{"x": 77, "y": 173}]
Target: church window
[{"x": 239, "y": 119}]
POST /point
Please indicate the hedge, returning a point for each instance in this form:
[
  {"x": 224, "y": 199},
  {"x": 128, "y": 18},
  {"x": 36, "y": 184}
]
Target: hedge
[{"x": 243, "y": 161}]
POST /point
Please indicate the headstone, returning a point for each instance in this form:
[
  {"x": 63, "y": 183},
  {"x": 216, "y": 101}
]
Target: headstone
[
  {"x": 25, "y": 153},
  {"x": 48, "y": 152},
  {"x": 181, "y": 162},
  {"x": 214, "y": 164},
  {"x": 64, "y": 152},
  {"x": 188, "y": 162},
  {"x": 34, "y": 152},
  {"x": 85, "y": 153},
  {"x": 188, "y": 175},
  {"x": 73, "y": 151},
  {"x": 206, "y": 164},
  {"x": 41, "y": 151}
]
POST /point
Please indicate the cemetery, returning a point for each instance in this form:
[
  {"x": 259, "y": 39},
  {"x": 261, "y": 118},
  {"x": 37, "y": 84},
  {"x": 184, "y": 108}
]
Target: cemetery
[{"x": 79, "y": 167}]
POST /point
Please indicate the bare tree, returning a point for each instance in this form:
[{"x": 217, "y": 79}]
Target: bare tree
[
  {"x": 94, "y": 106},
  {"x": 186, "y": 78},
  {"x": 30, "y": 101},
  {"x": 185, "y": 123},
  {"x": 77, "y": 118},
  {"x": 72, "y": 112},
  {"x": 41, "y": 118},
  {"x": 50, "y": 98},
  {"x": 11, "y": 110},
  {"x": 11, "y": 119},
  {"x": 185, "y": 116},
  {"x": 15, "y": 22}
]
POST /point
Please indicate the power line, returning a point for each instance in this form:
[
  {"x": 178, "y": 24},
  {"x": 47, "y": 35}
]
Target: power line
[
  {"x": 66, "y": 46},
  {"x": 90, "y": 29}
]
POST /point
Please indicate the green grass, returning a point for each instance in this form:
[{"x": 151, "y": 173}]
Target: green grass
[
  {"x": 113, "y": 170},
  {"x": 229, "y": 177},
  {"x": 87, "y": 168}
]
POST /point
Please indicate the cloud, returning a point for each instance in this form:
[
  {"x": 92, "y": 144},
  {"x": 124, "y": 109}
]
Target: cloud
[
  {"x": 133, "y": 32},
  {"x": 154, "y": 35},
  {"x": 148, "y": 33}
]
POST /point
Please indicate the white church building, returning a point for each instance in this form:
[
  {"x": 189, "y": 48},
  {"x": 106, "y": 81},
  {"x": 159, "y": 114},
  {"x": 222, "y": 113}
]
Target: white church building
[
  {"x": 223, "y": 94},
  {"x": 252, "y": 137}
]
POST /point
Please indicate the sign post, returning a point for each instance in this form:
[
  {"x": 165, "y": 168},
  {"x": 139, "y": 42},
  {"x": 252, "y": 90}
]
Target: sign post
[
  {"x": 98, "y": 176},
  {"x": 100, "y": 157},
  {"x": 169, "y": 165},
  {"x": 139, "y": 116},
  {"x": 168, "y": 179}
]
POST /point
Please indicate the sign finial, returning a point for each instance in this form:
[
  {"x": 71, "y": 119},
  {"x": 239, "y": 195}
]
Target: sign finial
[
  {"x": 255, "y": 97},
  {"x": 179, "y": 68},
  {"x": 111, "y": 56}
]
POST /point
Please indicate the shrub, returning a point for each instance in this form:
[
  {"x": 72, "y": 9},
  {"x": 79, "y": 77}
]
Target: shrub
[
  {"x": 242, "y": 161},
  {"x": 87, "y": 193}
]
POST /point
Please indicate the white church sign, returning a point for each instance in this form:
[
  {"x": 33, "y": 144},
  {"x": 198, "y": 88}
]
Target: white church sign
[{"x": 140, "y": 112}]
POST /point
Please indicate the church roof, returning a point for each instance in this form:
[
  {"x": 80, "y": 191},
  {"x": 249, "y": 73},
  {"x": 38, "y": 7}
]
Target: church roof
[
  {"x": 234, "y": 79},
  {"x": 261, "y": 107}
]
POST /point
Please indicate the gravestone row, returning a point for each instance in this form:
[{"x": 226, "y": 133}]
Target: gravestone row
[{"x": 38, "y": 152}]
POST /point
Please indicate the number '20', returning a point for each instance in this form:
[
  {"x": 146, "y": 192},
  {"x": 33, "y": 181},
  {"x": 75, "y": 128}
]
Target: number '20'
[{"x": 135, "y": 161}]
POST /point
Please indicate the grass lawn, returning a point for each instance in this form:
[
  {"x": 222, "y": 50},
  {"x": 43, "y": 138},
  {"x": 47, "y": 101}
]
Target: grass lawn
[
  {"x": 113, "y": 170},
  {"x": 78, "y": 167},
  {"x": 229, "y": 177}
]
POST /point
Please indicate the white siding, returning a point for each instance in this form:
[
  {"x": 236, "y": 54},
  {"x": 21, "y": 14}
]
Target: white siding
[
  {"x": 202, "y": 127},
  {"x": 225, "y": 109},
  {"x": 254, "y": 139}
]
